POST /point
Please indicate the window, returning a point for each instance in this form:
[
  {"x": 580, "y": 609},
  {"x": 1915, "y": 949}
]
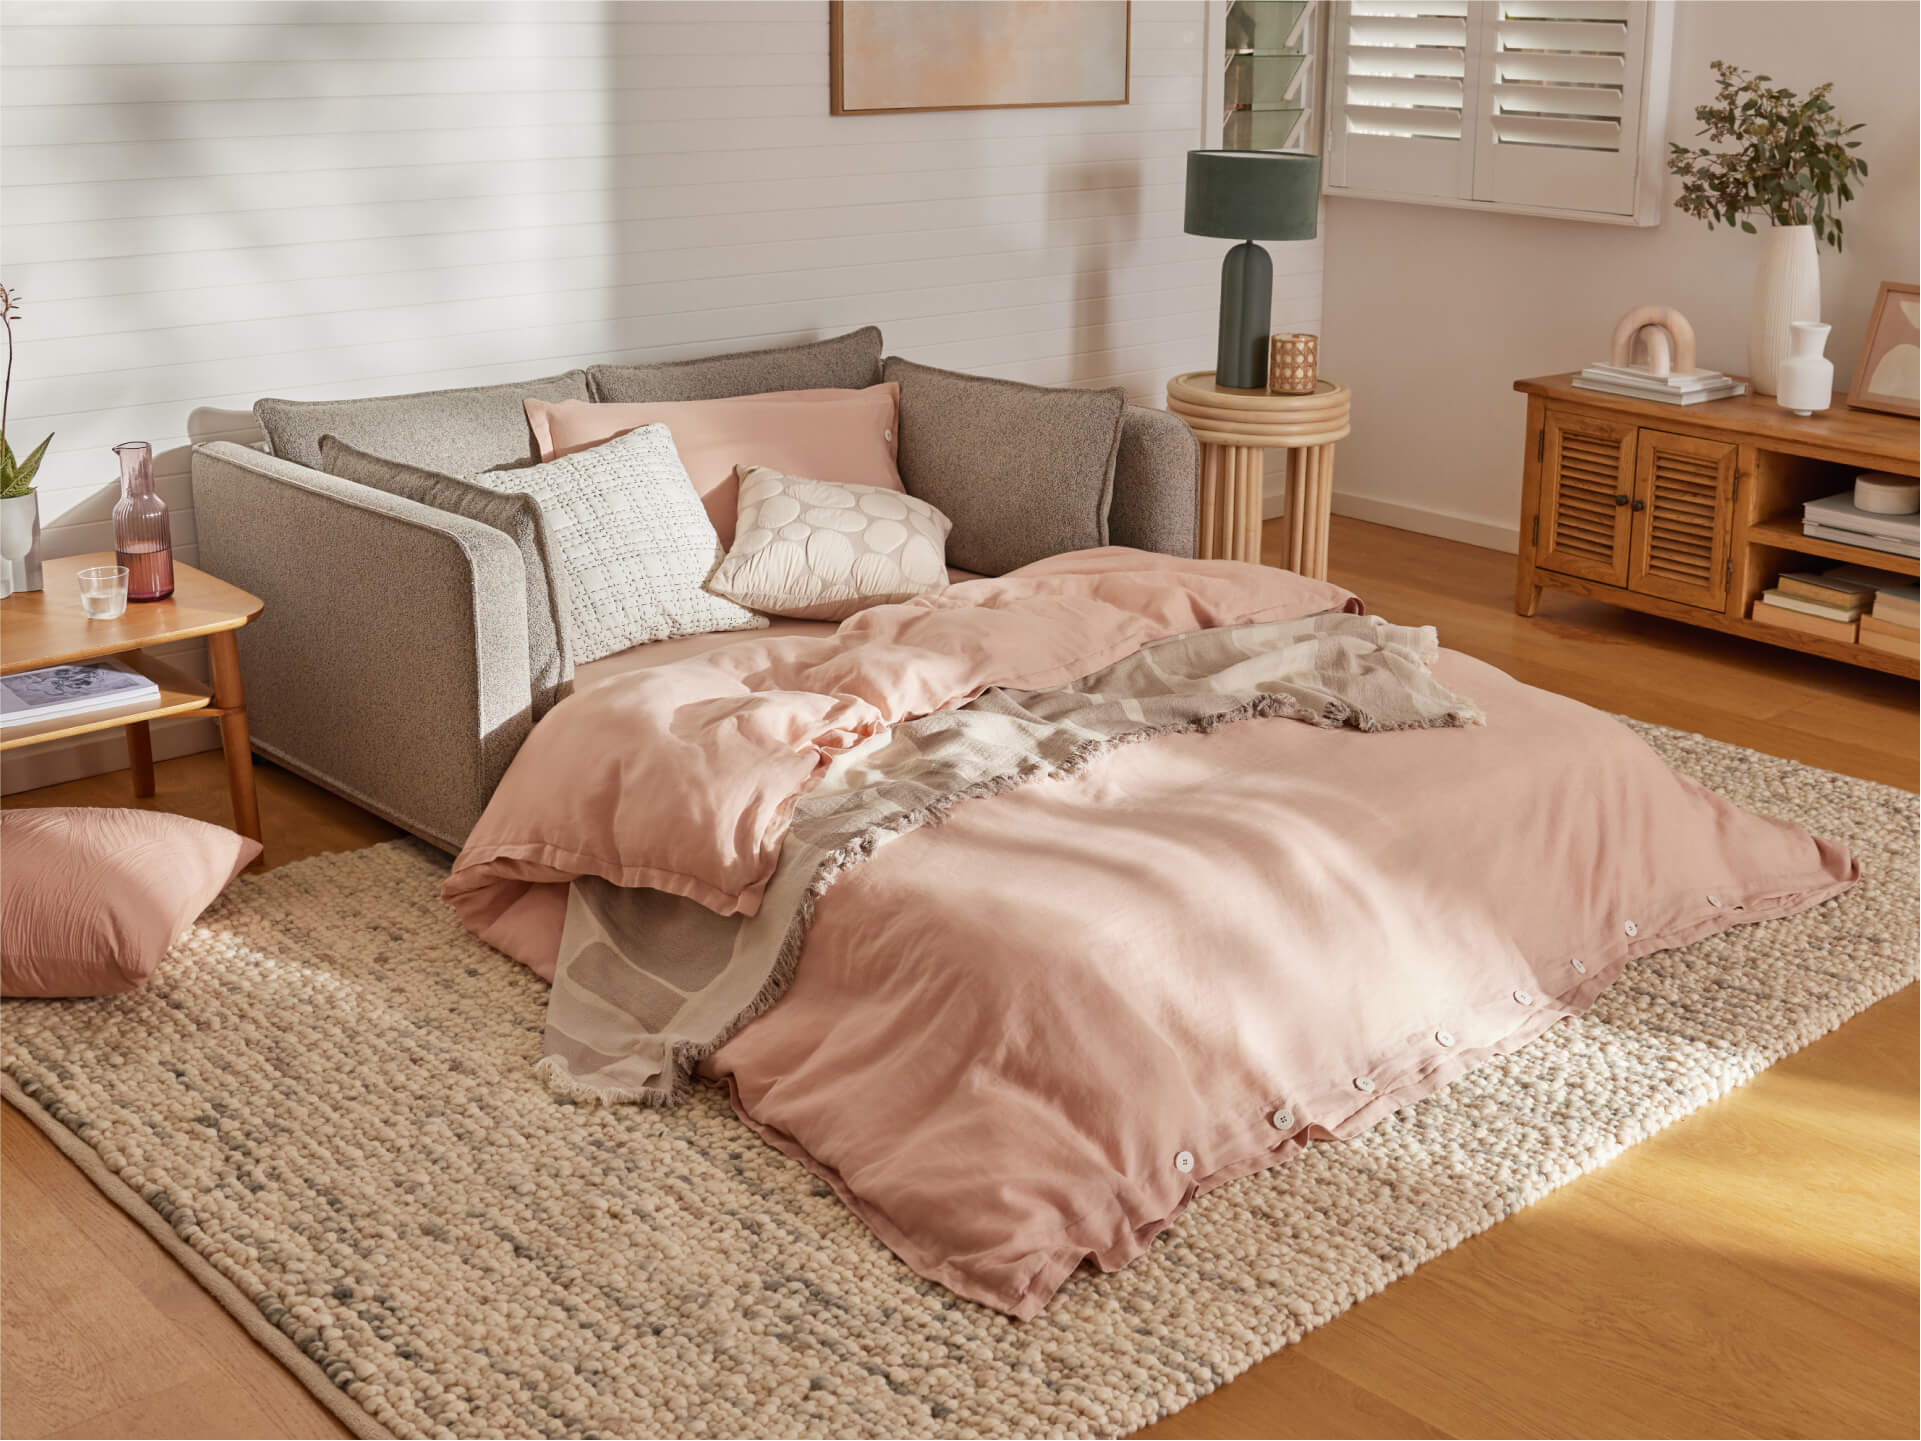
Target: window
[{"x": 1551, "y": 107}]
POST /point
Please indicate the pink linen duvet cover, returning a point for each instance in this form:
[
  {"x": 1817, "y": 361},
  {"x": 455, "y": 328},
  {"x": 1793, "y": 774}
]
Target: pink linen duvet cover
[{"x": 1030, "y": 1035}]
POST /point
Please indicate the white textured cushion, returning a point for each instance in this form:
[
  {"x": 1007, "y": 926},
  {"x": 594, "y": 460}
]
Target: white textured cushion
[
  {"x": 634, "y": 543},
  {"x": 815, "y": 550}
]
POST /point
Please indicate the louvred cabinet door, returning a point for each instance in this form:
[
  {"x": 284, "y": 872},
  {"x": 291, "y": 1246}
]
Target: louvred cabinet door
[
  {"x": 1683, "y": 512},
  {"x": 1587, "y": 484}
]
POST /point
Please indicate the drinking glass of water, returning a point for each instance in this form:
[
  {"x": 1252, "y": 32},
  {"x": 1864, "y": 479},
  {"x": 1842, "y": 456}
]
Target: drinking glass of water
[{"x": 103, "y": 592}]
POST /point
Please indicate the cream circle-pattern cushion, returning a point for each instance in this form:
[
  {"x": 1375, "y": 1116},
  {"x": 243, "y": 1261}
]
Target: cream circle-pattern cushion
[{"x": 817, "y": 550}]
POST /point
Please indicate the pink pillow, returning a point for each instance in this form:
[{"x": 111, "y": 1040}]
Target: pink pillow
[
  {"x": 90, "y": 899},
  {"x": 849, "y": 437}
]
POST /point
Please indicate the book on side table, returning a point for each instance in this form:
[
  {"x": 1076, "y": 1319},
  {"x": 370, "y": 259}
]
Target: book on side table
[{"x": 57, "y": 691}]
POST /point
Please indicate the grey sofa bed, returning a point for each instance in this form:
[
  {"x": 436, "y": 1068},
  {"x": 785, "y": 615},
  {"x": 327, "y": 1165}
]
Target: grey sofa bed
[{"x": 391, "y": 663}]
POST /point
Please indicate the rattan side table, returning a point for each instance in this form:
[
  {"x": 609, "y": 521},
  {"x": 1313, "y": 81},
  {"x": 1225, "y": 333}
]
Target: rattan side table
[{"x": 1236, "y": 429}]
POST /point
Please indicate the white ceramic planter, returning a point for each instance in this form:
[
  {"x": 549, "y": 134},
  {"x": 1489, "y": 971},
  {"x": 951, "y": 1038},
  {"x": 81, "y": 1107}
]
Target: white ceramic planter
[
  {"x": 1807, "y": 376},
  {"x": 19, "y": 539},
  {"x": 1787, "y": 288}
]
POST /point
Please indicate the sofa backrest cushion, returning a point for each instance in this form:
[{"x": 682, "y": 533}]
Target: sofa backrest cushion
[
  {"x": 550, "y": 659},
  {"x": 843, "y": 436},
  {"x": 843, "y": 362},
  {"x": 454, "y": 432},
  {"x": 1023, "y": 471}
]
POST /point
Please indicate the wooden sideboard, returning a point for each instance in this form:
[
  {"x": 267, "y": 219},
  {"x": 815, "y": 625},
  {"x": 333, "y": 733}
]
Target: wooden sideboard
[{"x": 1691, "y": 512}]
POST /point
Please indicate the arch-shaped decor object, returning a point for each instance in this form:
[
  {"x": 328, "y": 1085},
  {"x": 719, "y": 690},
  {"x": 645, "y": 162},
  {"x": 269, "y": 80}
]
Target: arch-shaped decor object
[
  {"x": 1620, "y": 352},
  {"x": 1654, "y": 347}
]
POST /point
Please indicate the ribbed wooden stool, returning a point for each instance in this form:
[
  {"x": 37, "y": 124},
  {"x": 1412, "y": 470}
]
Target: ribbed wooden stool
[{"x": 1236, "y": 429}]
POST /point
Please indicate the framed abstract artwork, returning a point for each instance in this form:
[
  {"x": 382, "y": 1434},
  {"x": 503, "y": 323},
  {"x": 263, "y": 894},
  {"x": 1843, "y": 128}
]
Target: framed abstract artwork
[
  {"x": 889, "y": 58},
  {"x": 1889, "y": 375}
]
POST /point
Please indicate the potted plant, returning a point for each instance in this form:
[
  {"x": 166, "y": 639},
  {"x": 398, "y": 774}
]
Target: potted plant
[
  {"x": 19, "y": 506},
  {"x": 1792, "y": 164}
]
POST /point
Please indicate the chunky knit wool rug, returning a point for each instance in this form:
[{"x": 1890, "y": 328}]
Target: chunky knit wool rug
[{"x": 325, "y": 1105}]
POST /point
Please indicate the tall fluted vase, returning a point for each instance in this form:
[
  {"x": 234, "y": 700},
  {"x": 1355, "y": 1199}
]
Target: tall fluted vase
[
  {"x": 1787, "y": 288},
  {"x": 142, "y": 533}
]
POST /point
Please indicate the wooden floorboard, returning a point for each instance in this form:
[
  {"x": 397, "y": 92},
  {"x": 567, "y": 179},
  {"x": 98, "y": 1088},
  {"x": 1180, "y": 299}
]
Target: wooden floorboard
[{"x": 1751, "y": 1271}]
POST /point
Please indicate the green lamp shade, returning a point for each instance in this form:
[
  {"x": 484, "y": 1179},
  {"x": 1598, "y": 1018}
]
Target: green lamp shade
[
  {"x": 1249, "y": 195},
  {"x": 1252, "y": 194}
]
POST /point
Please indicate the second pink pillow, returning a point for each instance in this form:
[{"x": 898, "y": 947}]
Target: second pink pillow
[{"x": 849, "y": 437}]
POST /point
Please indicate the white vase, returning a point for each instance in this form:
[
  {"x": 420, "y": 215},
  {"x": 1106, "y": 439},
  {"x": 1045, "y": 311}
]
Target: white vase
[
  {"x": 20, "y": 543},
  {"x": 1787, "y": 288},
  {"x": 1806, "y": 378}
]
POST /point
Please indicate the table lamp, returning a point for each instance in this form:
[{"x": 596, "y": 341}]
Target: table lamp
[{"x": 1249, "y": 195}]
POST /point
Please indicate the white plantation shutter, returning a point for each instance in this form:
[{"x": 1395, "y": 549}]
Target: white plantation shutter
[
  {"x": 1534, "y": 105},
  {"x": 1399, "y": 82},
  {"x": 1561, "y": 84}
]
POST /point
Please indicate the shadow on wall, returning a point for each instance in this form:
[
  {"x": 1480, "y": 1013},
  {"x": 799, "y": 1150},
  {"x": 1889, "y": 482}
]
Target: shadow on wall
[{"x": 1094, "y": 278}]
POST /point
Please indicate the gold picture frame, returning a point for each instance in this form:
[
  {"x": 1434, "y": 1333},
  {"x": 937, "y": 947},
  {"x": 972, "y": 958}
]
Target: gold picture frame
[
  {"x": 1888, "y": 375},
  {"x": 1069, "y": 52}
]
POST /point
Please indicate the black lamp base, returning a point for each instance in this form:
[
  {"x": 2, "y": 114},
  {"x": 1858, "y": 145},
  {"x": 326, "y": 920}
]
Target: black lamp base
[{"x": 1247, "y": 302}]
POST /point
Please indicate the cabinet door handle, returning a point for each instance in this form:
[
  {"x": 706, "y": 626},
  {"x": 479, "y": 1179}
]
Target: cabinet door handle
[
  {"x": 1620, "y": 500},
  {"x": 1640, "y": 505}
]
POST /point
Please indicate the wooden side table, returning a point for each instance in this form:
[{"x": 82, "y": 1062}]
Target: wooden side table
[
  {"x": 47, "y": 627},
  {"x": 1236, "y": 429}
]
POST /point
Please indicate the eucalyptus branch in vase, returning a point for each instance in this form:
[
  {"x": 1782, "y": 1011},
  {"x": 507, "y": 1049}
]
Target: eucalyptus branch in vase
[
  {"x": 16, "y": 476},
  {"x": 1792, "y": 162}
]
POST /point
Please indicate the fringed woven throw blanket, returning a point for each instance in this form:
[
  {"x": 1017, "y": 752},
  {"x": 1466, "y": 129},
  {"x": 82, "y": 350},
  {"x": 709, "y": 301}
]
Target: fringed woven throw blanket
[{"x": 648, "y": 983}]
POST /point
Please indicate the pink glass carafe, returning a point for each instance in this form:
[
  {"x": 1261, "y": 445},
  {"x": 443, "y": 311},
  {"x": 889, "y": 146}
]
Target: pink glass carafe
[{"x": 142, "y": 538}]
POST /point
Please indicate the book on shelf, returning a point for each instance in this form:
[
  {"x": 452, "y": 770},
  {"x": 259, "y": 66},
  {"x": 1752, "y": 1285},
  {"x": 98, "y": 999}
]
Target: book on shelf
[
  {"x": 1881, "y": 582},
  {"x": 1897, "y": 609},
  {"x": 1823, "y": 587},
  {"x": 59, "y": 692},
  {"x": 1837, "y": 517},
  {"x": 1768, "y": 612},
  {"x": 1893, "y": 545},
  {"x": 1878, "y": 634},
  {"x": 1787, "y": 600}
]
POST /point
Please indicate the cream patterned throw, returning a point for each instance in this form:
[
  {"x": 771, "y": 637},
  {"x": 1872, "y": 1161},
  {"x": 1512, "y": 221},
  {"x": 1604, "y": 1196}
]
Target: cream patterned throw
[
  {"x": 819, "y": 550},
  {"x": 634, "y": 543}
]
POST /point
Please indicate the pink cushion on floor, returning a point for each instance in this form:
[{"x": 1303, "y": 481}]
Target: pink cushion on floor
[
  {"x": 90, "y": 898},
  {"x": 846, "y": 436}
]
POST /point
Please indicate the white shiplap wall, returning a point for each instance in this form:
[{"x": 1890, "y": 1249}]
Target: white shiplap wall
[{"x": 204, "y": 203}]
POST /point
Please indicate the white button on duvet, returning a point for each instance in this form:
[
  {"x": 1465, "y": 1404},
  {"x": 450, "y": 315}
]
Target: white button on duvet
[
  {"x": 1184, "y": 1162},
  {"x": 1283, "y": 1120},
  {"x": 1715, "y": 901},
  {"x": 1526, "y": 998},
  {"x": 1363, "y": 1083},
  {"x": 1631, "y": 929},
  {"x": 1444, "y": 1038},
  {"x": 1580, "y": 966}
]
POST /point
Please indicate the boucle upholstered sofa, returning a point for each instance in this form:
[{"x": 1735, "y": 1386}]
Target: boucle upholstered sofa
[{"x": 391, "y": 662}]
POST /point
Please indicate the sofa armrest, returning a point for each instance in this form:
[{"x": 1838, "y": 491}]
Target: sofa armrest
[
  {"x": 390, "y": 662},
  {"x": 1157, "y": 484}
]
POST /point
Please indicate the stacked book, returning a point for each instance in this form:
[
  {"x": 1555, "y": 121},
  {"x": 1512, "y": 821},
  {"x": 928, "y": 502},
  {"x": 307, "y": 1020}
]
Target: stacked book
[
  {"x": 1837, "y": 517},
  {"x": 61, "y": 692},
  {"x": 1875, "y": 608},
  {"x": 1683, "y": 387}
]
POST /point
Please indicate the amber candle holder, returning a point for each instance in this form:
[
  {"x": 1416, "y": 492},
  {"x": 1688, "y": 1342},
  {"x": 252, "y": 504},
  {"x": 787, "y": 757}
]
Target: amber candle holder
[{"x": 1293, "y": 365}]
